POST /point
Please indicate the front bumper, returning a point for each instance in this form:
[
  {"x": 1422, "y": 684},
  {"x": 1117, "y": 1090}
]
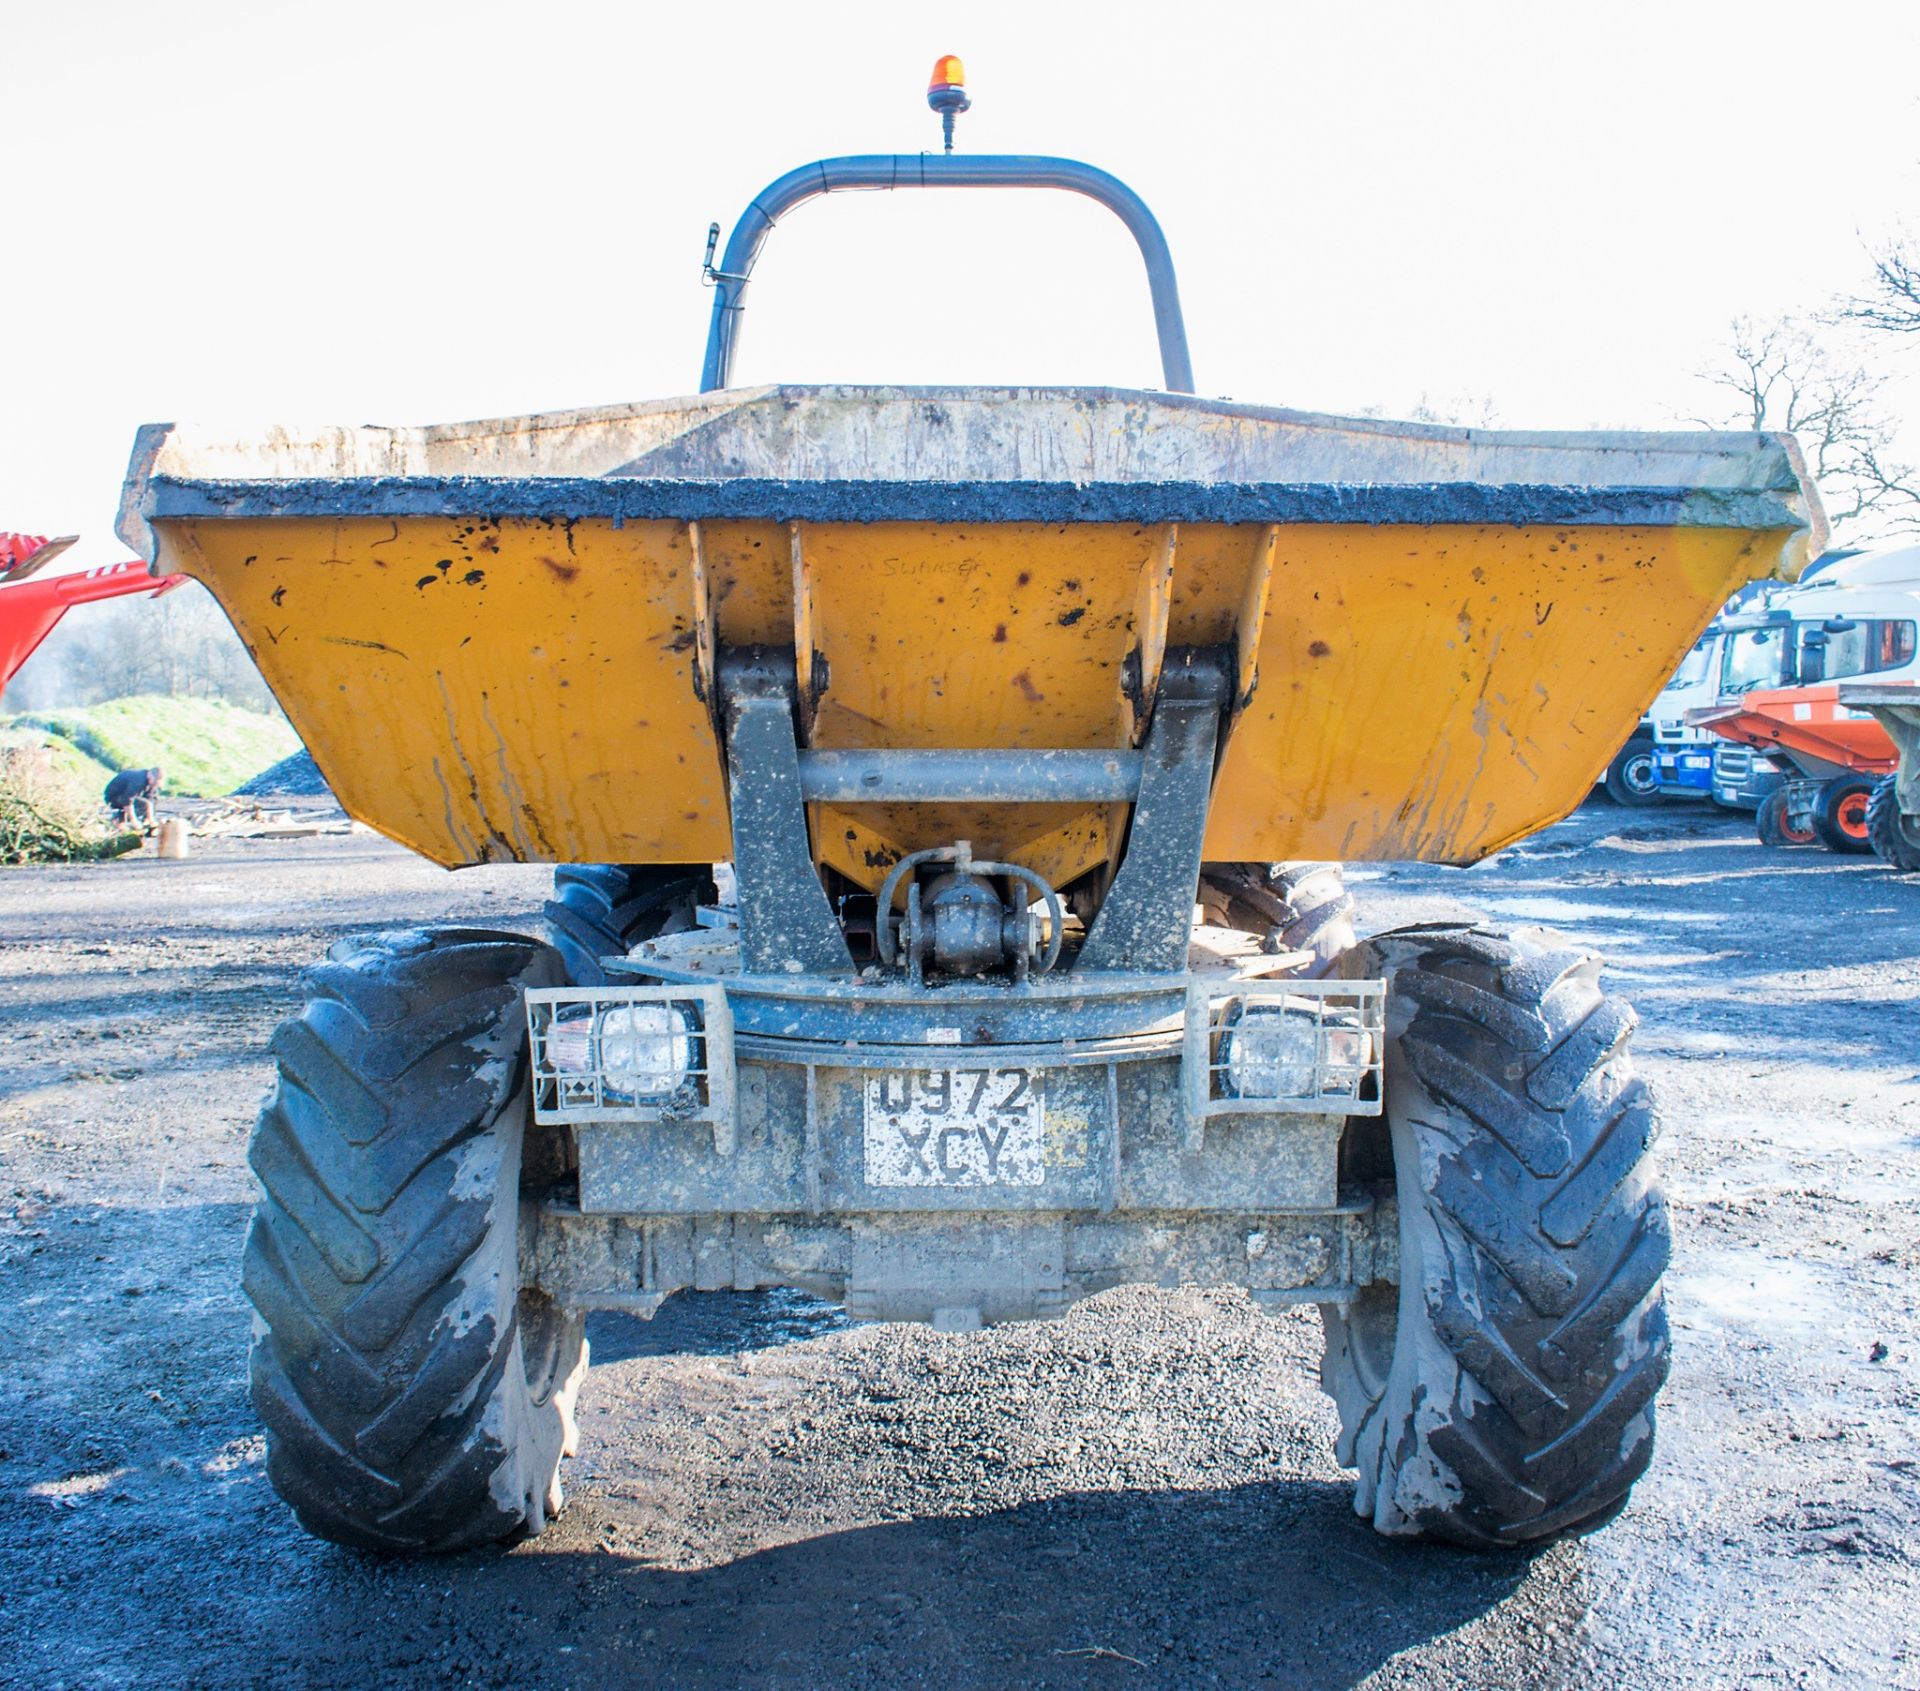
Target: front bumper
[
  {"x": 1684, "y": 774},
  {"x": 956, "y": 1183},
  {"x": 1744, "y": 779}
]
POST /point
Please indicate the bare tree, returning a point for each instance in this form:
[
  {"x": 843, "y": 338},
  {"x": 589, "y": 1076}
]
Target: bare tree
[
  {"x": 1780, "y": 376},
  {"x": 1894, "y": 303}
]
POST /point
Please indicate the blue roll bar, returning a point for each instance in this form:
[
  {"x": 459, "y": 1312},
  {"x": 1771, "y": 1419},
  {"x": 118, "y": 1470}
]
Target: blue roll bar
[{"x": 935, "y": 170}]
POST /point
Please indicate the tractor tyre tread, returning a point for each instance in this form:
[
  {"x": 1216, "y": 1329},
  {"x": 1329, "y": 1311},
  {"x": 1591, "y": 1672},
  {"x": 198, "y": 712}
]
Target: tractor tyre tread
[
  {"x": 1892, "y": 839},
  {"x": 605, "y": 909},
  {"x": 1528, "y": 1338},
  {"x": 414, "y": 1398},
  {"x": 1294, "y": 906},
  {"x": 1826, "y": 817}
]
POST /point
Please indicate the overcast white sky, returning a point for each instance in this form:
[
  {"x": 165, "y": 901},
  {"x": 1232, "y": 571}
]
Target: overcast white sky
[{"x": 424, "y": 212}]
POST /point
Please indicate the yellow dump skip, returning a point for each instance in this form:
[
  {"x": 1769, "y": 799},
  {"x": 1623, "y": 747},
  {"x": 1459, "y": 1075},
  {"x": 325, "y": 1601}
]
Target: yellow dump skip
[
  {"x": 524, "y": 689},
  {"x": 1435, "y": 694},
  {"x": 503, "y": 640}
]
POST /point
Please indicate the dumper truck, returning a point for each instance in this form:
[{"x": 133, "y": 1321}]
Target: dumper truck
[
  {"x": 889, "y": 743},
  {"x": 1837, "y": 756},
  {"x": 1858, "y": 618},
  {"x": 1893, "y": 807}
]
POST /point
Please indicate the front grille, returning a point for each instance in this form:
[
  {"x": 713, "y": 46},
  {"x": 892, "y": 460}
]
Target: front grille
[{"x": 1732, "y": 765}]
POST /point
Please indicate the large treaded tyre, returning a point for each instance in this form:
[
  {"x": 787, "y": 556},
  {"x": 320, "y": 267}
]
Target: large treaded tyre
[
  {"x": 1296, "y": 906},
  {"x": 414, "y": 1397},
  {"x": 1771, "y": 824},
  {"x": 1633, "y": 779},
  {"x": 1503, "y": 1392},
  {"x": 1895, "y": 839},
  {"x": 1840, "y": 816},
  {"x": 606, "y": 909}
]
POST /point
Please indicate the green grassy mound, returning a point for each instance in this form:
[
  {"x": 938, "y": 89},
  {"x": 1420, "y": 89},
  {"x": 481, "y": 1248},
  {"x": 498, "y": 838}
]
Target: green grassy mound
[
  {"x": 206, "y": 747},
  {"x": 64, "y": 759}
]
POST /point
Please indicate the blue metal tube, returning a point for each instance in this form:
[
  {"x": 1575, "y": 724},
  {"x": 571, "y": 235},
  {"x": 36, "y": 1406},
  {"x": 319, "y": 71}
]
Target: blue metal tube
[{"x": 935, "y": 170}]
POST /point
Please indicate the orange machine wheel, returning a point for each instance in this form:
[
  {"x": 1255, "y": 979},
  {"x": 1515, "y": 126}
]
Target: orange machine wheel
[
  {"x": 1840, "y": 815},
  {"x": 1773, "y": 826}
]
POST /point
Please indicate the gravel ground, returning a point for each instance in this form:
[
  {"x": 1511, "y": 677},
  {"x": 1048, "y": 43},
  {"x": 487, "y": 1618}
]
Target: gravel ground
[
  {"x": 297, "y": 776},
  {"x": 1142, "y": 1494}
]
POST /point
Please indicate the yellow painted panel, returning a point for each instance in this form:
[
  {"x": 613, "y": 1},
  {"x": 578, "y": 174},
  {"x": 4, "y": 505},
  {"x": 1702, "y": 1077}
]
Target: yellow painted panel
[
  {"x": 1008, "y": 635},
  {"x": 1058, "y": 841},
  {"x": 747, "y": 562},
  {"x": 484, "y": 691},
  {"x": 487, "y": 690},
  {"x": 995, "y": 635},
  {"x": 1437, "y": 693},
  {"x": 1212, "y": 568}
]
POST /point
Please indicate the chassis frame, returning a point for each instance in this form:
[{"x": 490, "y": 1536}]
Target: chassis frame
[{"x": 1150, "y": 1163}]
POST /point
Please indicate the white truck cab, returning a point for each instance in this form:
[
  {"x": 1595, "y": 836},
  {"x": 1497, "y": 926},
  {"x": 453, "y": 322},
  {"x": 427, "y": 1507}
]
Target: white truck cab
[{"x": 1858, "y": 617}]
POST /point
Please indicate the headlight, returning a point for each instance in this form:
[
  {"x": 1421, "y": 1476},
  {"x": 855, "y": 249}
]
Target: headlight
[
  {"x": 569, "y": 1041},
  {"x": 638, "y": 1052},
  {"x": 1298, "y": 1049},
  {"x": 646, "y": 1050}
]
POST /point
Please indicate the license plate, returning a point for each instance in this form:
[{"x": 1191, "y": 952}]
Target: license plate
[
  {"x": 1727, "y": 795},
  {"x": 954, "y": 1127}
]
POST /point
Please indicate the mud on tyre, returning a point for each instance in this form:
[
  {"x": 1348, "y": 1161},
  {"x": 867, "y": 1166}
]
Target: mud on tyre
[
  {"x": 414, "y": 1397},
  {"x": 1296, "y": 906},
  {"x": 1503, "y": 1392},
  {"x": 605, "y": 909}
]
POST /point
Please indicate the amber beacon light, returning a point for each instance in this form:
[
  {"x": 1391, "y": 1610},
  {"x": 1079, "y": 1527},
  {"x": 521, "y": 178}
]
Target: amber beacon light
[{"x": 947, "y": 92}]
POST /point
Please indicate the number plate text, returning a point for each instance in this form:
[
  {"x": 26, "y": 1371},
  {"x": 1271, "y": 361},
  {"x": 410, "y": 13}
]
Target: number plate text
[{"x": 954, "y": 1127}]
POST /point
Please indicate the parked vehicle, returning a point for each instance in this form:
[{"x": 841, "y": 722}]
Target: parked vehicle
[
  {"x": 1668, "y": 757},
  {"x": 1858, "y": 617},
  {"x": 32, "y": 602},
  {"x": 1681, "y": 754},
  {"x": 1743, "y": 778},
  {"x": 1893, "y": 810},
  {"x": 976, "y": 693},
  {"x": 1832, "y": 757}
]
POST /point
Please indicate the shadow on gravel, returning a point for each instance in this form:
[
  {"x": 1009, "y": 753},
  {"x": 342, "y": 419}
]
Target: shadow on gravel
[
  {"x": 140, "y": 1544},
  {"x": 713, "y": 1324},
  {"x": 1724, "y": 946},
  {"x": 1276, "y": 1585}
]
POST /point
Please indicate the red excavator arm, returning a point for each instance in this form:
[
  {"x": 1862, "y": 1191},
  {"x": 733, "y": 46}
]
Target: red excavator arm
[{"x": 29, "y": 609}]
